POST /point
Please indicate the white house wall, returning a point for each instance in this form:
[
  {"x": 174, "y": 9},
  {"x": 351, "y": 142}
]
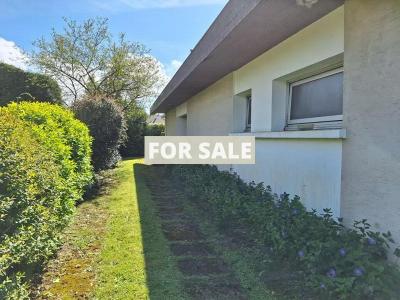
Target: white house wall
[
  {"x": 317, "y": 42},
  {"x": 371, "y": 154},
  {"x": 309, "y": 167},
  {"x": 210, "y": 112},
  {"x": 170, "y": 122}
]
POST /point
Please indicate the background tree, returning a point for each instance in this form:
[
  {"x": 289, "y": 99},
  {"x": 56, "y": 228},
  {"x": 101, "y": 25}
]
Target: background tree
[
  {"x": 16, "y": 84},
  {"x": 85, "y": 59}
]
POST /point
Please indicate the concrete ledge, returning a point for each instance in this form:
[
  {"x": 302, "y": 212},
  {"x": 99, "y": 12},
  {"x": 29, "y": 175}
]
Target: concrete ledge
[{"x": 309, "y": 134}]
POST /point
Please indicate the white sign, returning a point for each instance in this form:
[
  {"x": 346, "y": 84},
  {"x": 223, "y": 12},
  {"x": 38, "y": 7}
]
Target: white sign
[{"x": 199, "y": 150}]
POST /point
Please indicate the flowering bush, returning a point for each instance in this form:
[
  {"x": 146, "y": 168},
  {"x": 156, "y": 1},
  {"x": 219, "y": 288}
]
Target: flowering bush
[{"x": 334, "y": 260}]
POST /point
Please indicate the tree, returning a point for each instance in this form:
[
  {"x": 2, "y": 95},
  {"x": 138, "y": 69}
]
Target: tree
[
  {"x": 16, "y": 84},
  {"x": 85, "y": 59}
]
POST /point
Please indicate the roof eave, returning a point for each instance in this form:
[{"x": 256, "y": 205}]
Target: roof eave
[{"x": 250, "y": 28}]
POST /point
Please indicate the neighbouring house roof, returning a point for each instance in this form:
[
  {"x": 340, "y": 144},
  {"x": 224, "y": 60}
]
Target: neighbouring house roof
[
  {"x": 156, "y": 119},
  {"x": 241, "y": 32}
]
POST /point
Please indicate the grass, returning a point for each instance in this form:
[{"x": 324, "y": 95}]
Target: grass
[
  {"x": 115, "y": 248},
  {"x": 71, "y": 274},
  {"x": 124, "y": 271},
  {"x": 245, "y": 262},
  {"x": 163, "y": 278},
  {"x": 103, "y": 252}
]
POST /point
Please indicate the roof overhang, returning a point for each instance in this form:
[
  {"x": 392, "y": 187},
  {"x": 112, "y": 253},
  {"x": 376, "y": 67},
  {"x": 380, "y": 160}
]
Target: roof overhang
[{"x": 241, "y": 32}]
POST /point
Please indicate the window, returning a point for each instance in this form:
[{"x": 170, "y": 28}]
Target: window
[
  {"x": 248, "y": 113},
  {"x": 317, "y": 101}
]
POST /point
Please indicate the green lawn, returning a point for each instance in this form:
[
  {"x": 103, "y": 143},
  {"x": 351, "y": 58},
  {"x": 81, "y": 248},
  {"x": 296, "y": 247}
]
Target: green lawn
[
  {"x": 116, "y": 249},
  {"x": 103, "y": 252},
  {"x": 124, "y": 271}
]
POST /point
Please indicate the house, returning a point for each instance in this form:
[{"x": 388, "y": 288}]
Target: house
[{"x": 318, "y": 85}]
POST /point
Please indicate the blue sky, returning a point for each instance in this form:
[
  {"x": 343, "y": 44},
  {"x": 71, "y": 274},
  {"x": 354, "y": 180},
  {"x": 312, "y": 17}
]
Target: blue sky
[{"x": 170, "y": 28}]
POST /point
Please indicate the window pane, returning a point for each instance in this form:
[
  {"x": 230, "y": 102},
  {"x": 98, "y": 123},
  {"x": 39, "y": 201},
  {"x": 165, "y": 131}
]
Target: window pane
[{"x": 318, "y": 98}]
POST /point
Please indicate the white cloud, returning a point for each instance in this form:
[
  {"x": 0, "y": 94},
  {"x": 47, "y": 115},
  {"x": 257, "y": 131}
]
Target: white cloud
[
  {"x": 172, "y": 67},
  {"x": 166, "y": 72},
  {"x": 148, "y": 4},
  {"x": 11, "y": 54}
]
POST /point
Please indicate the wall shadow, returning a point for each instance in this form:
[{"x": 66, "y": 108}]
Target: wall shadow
[{"x": 162, "y": 275}]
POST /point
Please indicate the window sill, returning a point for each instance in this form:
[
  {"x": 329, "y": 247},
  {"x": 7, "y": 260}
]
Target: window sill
[{"x": 306, "y": 134}]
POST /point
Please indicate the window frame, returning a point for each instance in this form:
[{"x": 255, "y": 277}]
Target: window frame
[
  {"x": 319, "y": 120},
  {"x": 248, "y": 113}
]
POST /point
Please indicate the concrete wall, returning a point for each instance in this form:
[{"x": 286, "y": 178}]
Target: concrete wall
[
  {"x": 170, "y": 122},
  {"x": 211, "y": 112},
  {"x": 371, "y": 154},
  {"x": 310, "y": 168},
  {"x": 208, "y": 113}
]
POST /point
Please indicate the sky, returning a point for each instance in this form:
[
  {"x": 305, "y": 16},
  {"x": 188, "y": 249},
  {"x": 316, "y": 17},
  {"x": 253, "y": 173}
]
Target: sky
[{"x": 169, "y": 28}]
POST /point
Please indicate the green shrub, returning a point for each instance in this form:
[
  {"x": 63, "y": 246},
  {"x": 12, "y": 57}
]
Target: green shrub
[
  {"x": 66, "y": 137},
  {"x": 106, "y": 122},
  {"x": 155, "y": 130},
  {"x": 136, "y": 130},
  {"x": 334, "y": 260},
  {"x": 16, "y": 84},
  {"x": 35, "y": 204}
]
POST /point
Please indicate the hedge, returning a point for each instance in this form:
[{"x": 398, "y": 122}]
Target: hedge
[
  {"x": 44, "y": 169},
  {"x": 66, "y": 137},
  {"x": 34, "y": 205},
  {"x": 16, "y": 84},
  {"x": 336, "y": 261}
]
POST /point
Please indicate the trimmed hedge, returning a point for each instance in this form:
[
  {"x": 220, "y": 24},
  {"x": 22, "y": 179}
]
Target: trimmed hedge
[
  {"x": 44, "y": 169},
  {"x": 16, "y": 84},
  {"x": 34, "y": 205},
  {"x": 346, "y": 263},
  {"x": 66, "y": 137}
]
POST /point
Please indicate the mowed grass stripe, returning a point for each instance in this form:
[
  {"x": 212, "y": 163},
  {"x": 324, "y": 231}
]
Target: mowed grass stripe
[{"x": 135, "y": 261}]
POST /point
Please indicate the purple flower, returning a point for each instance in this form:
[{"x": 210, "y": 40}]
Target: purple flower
[
  {"x": 358, "y": 272},
  {"x": 342, "y": 252},
  {"x": 300, "y": 253},
  {"x": 322, "y": 286},
  {"x": 331, "y": 273},
  {"x": 371, "y": 241}
]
